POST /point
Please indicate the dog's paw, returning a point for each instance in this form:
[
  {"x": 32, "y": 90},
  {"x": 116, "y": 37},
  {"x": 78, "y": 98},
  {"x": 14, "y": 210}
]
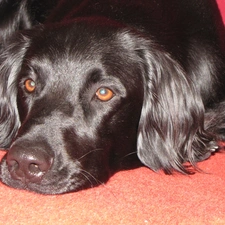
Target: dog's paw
[
  {"x": 213, "y": 146},
  {"x": 210, "y": 148}
]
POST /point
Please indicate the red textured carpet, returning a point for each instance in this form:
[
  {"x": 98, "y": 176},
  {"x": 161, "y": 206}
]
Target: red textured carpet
[{"x": 132, "y": 197}]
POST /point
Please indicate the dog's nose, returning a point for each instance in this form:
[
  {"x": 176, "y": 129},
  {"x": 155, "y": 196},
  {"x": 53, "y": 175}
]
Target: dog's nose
[{"x": 28, "y": 165}]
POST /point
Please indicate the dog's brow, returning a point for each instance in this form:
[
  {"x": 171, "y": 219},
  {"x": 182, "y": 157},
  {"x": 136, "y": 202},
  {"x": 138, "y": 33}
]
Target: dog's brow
[{"x": 95, "y": 75}]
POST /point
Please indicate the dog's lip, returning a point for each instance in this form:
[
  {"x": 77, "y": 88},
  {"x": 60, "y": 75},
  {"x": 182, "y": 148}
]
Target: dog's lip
[{"x": 46, "y": 186}]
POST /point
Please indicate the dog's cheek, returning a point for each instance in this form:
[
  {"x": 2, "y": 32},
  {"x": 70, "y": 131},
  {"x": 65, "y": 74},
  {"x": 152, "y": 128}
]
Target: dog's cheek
[
  {"x": 91, "y": 153},
  {"x": 119, "y": 133}
]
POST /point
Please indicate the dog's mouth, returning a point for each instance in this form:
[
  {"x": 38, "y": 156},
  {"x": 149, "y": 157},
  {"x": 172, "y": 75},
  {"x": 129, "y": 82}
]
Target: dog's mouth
[{"x": 55, "y": 181}]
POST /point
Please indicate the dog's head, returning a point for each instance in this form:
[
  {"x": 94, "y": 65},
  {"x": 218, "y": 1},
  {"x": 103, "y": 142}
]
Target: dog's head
[{"x": 77, "y": 100}]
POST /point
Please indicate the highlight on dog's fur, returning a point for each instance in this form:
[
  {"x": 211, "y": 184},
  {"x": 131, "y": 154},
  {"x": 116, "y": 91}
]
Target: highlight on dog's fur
[{"x": 110, "y": 85}]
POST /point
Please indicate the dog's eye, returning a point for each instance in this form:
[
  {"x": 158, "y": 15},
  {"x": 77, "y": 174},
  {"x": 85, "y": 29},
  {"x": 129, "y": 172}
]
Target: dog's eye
[
  {"x": 29, "y": 85},
  {"x": 104, "y": 94}
]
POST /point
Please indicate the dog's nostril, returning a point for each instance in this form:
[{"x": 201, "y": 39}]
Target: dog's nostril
[
  {"x": 35, "y": 169},
  {"x": 13, "y": 165}
]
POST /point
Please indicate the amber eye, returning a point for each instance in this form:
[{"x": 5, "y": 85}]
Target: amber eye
[
  {"x": 104, "y": 94},
  {"x": 29, "y": 85}
]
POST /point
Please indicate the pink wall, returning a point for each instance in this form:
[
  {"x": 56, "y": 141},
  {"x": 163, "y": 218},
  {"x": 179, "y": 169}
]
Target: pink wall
[{"x": 221, "y": 4}]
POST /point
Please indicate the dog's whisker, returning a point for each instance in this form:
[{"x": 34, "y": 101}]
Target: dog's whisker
[
  {"x": 95, "y": 150},
  {"x": 83, "y": 172},
  {"x": 129, "y": 154},
  {"x": 87, "y": 178}
]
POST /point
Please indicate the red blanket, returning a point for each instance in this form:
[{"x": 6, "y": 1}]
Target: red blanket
[{"x": 136, "y": 197}]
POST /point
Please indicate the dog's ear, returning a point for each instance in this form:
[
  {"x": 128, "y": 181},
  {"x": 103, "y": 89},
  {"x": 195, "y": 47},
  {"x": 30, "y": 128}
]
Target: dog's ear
[
  {"x": 171, "y": 128},
  {"x": 14, "y": 16},
  {"x": 10, "y": 64}
]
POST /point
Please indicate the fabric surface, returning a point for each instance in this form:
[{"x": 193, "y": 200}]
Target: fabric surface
[
  {"x": 221, "y": 4},
  {"x": 138, "y": 196},
  {"x": 132, "y": 197}
]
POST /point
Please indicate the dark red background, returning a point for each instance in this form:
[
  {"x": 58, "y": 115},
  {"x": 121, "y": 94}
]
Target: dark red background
[{"x": 132, "y": 197}]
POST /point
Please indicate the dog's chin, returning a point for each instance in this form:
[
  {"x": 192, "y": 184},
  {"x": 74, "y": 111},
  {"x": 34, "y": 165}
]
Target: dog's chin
[{"x": 50, "y": 184}]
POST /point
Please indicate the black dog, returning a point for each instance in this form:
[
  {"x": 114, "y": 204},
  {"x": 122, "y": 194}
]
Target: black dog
[{"x": 86, "y": 86}]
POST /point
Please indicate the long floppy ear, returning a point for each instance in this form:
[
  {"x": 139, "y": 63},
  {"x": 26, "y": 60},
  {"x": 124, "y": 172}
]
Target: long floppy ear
[
  {"x": 14, "y": 16},
  {"x": 171, "y": 128},
  {"x": 10, "y": 64}
]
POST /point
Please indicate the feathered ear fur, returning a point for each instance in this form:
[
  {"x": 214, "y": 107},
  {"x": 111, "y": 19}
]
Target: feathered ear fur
[
  {"x": 13, "y": 16},
  {"x": 10, "y": 64},
  {"x": 171, "y": 128}
]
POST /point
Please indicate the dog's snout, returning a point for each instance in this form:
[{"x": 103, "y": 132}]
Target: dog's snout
[{"x": 28, "y": 165}]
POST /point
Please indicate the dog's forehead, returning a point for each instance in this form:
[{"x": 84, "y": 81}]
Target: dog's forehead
[
  {"x": 82, "y": 39},
  {"x": 81, "y": 47},
  {"x": 74, "y": 39}
]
